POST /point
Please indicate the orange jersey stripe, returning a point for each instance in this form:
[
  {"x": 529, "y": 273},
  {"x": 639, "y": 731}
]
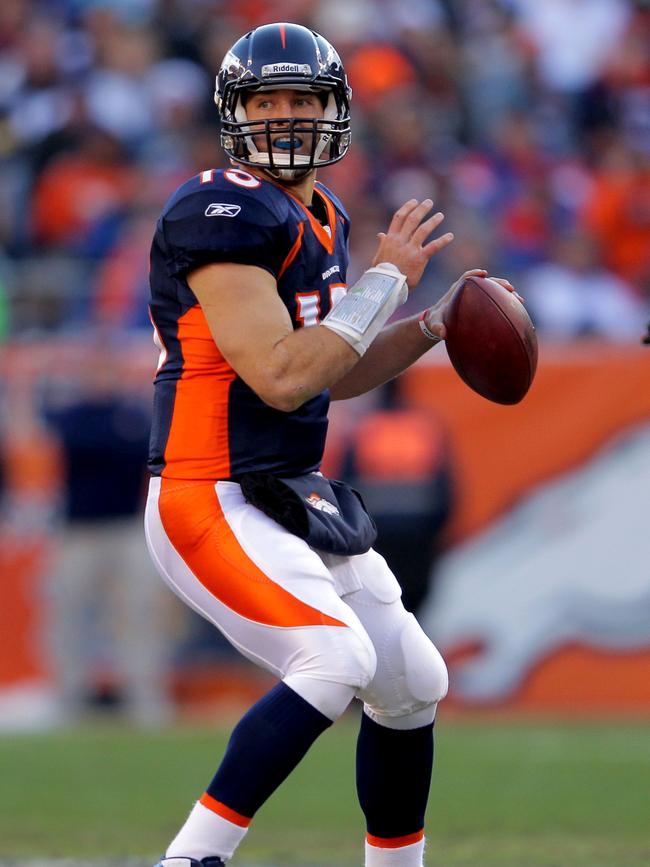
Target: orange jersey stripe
[
  {"x": 197, "y": 445},
  {"x": 327, "y": 239},
  {"x": 197, "y": 528},
  {"x": 395, "y": 842},
  {"x": 293, "y": 252},
  {"x": 223, "y": 811}
]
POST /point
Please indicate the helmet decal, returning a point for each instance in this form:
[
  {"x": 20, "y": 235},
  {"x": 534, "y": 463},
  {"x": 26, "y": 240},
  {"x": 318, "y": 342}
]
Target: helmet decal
[{"x": 286, "y": 68}]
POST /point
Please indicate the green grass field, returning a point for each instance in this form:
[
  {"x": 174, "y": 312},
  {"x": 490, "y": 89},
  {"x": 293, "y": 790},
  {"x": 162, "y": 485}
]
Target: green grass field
[{"x": 521, "y": 795}]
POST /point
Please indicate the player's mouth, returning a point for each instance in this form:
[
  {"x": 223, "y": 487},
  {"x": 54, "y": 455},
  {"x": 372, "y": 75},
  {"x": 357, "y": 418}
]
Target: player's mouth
[{"x": 293, "y": 142}]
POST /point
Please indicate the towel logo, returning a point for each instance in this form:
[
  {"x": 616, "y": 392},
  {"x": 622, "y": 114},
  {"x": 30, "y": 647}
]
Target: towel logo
[{"x": 322, "y": 505}]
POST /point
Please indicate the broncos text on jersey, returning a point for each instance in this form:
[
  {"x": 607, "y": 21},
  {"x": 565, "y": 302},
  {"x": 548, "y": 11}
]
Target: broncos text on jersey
[{"x": 208, "y": 424}]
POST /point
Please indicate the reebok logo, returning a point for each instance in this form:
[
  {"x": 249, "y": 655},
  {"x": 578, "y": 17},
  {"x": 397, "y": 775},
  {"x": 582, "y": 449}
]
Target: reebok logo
[{"x": 222, "y": 209}]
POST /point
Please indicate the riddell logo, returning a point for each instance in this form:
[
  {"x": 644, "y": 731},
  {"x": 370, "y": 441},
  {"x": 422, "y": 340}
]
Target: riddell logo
[
  {"x": 317, "y": 502},
  {"x": 286, "y": 69}
]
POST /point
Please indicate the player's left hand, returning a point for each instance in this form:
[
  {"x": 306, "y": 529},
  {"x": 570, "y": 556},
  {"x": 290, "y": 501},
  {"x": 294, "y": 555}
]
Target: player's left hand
[
  {"x": 434, "y": 317},
  {"x": 404, "y": 243}
]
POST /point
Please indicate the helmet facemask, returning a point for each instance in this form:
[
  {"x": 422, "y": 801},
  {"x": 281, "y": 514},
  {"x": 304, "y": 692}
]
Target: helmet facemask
[{"x": 256, "y": 142}]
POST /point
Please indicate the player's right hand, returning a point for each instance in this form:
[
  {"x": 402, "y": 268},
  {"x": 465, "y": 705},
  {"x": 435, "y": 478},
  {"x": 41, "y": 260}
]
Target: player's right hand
[{"x": 405, "y": 244}]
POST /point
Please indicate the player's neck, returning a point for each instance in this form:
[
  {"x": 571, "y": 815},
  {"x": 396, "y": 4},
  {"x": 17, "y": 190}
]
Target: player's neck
[{"x": 302, "y": 189}]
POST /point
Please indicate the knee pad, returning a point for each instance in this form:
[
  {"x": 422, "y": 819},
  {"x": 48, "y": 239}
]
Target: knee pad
[
  {"x": 332, "y": 668},
  {"x": 425, "y": 670},
  {"x": 406, "y": 690}
]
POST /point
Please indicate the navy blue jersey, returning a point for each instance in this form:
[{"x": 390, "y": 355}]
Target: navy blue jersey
[{"x": 208, "y": 424}]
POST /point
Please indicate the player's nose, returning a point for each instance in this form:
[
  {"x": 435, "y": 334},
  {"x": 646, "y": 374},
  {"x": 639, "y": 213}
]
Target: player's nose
[{"x": 285, "y": 109}]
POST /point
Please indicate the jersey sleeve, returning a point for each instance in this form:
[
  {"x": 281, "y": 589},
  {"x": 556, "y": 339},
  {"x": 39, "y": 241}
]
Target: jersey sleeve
[{"x": 224, "y": 225}]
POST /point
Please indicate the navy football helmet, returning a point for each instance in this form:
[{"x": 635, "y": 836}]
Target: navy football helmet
[{"x": 284, "y": 56}]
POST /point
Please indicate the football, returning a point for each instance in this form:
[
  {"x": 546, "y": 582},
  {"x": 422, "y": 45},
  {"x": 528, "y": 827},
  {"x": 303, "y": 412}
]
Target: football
[{"x": 491, "y": 340}]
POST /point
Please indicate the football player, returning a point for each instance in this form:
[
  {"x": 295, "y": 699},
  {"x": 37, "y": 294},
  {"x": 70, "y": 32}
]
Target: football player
[{"x": 257, "y": 331}]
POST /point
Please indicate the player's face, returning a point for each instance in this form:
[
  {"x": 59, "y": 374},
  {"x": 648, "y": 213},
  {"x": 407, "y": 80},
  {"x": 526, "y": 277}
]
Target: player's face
[{"x": 280, "y": 106}]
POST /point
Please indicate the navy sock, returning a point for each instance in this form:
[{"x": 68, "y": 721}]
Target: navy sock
[
  {"x": 265, "y": 746},
  {"x": 393, "y": 777}
]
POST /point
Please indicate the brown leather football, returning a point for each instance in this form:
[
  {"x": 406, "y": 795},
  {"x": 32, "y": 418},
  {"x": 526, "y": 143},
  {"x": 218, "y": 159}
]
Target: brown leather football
[{"x": 491, "y": 340}]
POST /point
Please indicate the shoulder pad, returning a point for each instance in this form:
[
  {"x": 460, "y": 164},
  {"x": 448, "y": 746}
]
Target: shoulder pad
[
  {"x": 213, "y": 218},
  {"x": 230, "y": 187}
]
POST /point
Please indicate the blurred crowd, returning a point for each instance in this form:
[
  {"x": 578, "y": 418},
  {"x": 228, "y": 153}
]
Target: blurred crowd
[{"x": 527, "y": 122}]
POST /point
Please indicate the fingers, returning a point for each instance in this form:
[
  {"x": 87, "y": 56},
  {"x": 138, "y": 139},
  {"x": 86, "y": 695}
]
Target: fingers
[
  {"x": 504, "y": 282},
  {"x": 414, "y": 219},
  {"x": 409, "y": 224},
  {"x": 474, "y": 272},
  {"x": 437, "y": 244},
  {"x": 409, "y": 216},
  {"x": 400, "y": 216},
  {"x": 426, "y": 228},
  {"x": 508, "y": 285},
  {"x": 423, "y": 231}
]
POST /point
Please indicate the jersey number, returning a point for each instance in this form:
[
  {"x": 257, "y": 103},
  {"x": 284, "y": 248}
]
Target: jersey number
[
  {"x": 308, "y": 304},
  {"x": 236, "y": 176}
]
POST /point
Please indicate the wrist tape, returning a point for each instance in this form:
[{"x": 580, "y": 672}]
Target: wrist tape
[{"x": 361, "y": 314}]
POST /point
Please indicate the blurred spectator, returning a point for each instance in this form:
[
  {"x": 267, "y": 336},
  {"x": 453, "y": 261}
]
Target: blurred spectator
[
  {"x": 121, "y": 297},
  {"x": 378, "y": 69},
  {"x": 618, "y": 213},
  {"x": 496, "y": 79},
  {"x": 107, "y": 630},
  {"x": 626, "y": 82},
  {"x": 43, "y": 289},
  {"x": 179, "y": 92},
  {"x": 572, "y": 38},
  {"x": 399, "y": 460},
  {"x": 38, "y": 98},
  {"x": 116, "y": 92},
  {"x": 573, "y": 295},
  {"x": 80, "y": 189},
  {"x": 4, "y": 312}
]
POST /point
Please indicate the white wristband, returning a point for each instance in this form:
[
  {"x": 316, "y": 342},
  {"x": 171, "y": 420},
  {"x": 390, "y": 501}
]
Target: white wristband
[
  {"x": 364, "y": 310},
  {"x": 424, "y": 328}
]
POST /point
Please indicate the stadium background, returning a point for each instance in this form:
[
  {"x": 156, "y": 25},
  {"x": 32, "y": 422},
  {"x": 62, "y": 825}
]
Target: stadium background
[{"x": 529, "y": 125}]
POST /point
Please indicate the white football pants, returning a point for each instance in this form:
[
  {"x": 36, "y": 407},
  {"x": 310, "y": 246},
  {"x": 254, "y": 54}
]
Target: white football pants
[{"x": 330, "y": 627}]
